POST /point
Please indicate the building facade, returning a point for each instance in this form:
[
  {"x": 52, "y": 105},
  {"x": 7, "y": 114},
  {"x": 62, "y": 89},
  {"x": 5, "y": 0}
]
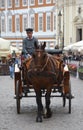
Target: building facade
[
  {"x": 71, "y": 29},
  {"x": 17, "y": 15}
]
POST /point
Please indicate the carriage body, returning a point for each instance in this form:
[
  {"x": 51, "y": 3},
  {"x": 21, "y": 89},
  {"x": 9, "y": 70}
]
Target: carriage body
[{"x": 22, "y": 88}]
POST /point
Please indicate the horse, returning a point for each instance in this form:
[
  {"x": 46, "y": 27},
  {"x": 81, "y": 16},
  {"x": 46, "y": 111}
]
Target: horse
[{"x": 42, "y": 71}]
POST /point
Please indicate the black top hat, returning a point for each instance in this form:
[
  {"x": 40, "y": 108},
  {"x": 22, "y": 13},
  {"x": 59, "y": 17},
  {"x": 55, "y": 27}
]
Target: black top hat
[{"x": 29, "y": 30}]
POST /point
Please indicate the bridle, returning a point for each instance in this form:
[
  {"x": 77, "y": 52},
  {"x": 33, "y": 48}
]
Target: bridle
[
  {"x": 39, "y": 68},
  {"x": 42, "y": 69}
]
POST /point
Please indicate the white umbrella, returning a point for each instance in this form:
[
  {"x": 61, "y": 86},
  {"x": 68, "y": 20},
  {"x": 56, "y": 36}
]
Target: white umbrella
[
  {"x": 69, "y": 47},
  {"x": 4, "y": 44},
  {"x": 74, "y": 46},
  {"x": 80, "y": 49},
  {"x": 4, "y": 47},
  {"x": 78, "y": 44}
]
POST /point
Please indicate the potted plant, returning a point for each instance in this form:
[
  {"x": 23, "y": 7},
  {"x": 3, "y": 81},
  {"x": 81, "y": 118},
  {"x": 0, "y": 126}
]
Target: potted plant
[
  {"x": 80, "y": 72},
  {"x": 73, "y": 69}
]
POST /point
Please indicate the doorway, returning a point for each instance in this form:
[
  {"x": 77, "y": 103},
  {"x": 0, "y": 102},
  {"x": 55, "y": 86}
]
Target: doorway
[{"x": 79, "y": 35}]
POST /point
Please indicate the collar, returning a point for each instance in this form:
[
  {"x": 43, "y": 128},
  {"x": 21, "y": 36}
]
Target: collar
[{"x": 30, "y": 38}]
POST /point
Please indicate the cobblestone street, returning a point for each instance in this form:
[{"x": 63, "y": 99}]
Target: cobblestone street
[{"x": 61, "y": 119}]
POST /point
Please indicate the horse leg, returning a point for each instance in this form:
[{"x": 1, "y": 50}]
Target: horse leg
[
  {"x": 40, "y": 106},
  {"x": 48, "y": 112}
]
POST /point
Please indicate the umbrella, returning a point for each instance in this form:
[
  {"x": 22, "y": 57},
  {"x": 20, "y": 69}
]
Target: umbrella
[
  {"x": 74, "y": 46},
  {"x": 80, "y": 49},
  {"x": 78, "y": 44},
  {"x": 4, "y": 47},
  {"x": 4, "y": 44},
  {"x": 69, "y": 47}
]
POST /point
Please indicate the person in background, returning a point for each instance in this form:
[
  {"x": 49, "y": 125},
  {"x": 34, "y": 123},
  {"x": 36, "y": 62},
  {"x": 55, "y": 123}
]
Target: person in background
[
  {"x": 11, "y": 69},
  {"x": 13, "y": 54}
]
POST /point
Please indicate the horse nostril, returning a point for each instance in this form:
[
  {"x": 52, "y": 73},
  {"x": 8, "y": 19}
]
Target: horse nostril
[{"x": 38, "y": 68}]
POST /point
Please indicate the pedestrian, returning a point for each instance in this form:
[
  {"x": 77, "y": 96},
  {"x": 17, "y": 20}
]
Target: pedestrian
[
  {"x": 13, "y": 54},
  {"x": 28, "y": 43},
  {"x": 11, "y": 69}
]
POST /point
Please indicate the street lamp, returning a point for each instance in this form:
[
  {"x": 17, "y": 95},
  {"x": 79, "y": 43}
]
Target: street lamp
[
  {"x": 60, "y": 33},
  {"x": 59, "y": 27}
]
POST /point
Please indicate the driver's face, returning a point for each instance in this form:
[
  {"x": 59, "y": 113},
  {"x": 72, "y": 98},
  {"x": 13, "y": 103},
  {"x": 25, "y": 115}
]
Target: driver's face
[{"x": 29, "y": 34}]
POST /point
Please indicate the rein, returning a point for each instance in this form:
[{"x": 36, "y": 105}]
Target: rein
[{"x": 45, "y": 64}]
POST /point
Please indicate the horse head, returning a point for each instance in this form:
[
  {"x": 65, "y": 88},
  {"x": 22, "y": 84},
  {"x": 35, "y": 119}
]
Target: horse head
[{"x": 39, "y": 56}]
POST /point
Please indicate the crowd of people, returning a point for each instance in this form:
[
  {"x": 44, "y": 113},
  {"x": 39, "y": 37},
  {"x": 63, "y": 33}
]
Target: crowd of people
[{"x": 68, "y": 57}]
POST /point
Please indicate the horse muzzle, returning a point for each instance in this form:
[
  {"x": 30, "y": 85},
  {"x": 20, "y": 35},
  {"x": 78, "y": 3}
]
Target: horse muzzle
[{"x": 38, "y": 68}]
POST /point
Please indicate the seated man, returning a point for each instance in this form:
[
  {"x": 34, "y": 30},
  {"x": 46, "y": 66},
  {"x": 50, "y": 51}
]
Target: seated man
[
  {"x": 27, "y": 49},
  {"x": 28, "y": 43}
]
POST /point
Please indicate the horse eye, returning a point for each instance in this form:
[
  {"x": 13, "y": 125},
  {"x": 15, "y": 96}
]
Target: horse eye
[{"x": 44, "y": 55}]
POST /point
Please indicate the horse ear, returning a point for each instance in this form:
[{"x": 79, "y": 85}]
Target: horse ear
[
  {"x": 44, "y": 45},
  {"x": 36, "y": 45}
]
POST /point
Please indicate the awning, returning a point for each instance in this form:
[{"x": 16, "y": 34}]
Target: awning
[{"x": 4, "y": 44}]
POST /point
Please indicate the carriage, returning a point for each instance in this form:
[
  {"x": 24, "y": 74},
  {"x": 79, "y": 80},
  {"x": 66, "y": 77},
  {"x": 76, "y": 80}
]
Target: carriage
[{"x": 26, "y": 84}]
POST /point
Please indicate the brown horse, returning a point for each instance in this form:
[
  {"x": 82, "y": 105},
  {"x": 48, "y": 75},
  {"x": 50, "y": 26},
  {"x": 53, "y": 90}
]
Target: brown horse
[{"x": 44, "y": 70}]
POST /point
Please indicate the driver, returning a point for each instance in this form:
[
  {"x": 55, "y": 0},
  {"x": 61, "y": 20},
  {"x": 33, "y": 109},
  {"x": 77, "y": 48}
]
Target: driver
[{"x": 28, "y": 43}]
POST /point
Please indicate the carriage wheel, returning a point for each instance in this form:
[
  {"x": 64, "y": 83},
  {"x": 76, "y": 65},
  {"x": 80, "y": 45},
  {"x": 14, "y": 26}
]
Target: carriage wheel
[
  {"x": 69, "y": 97},
  {"x": 18, "y": 96}
]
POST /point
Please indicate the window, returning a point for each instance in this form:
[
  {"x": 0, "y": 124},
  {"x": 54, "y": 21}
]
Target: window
[
  {"x": 2, "y": 3},
  {"x": 48, "y": 19},
  {"x": 2, "y": 24},
  {"x": 32, "y": 2},
  {"x": 9, "y": 3},
  {"x": 40, "y": 22},
  {"x": 32, "y": 21},
  {"x": 17, "y": 24},
  {"x": 54, "y": 23},
  {"x": 40, "y": 1},
  {"x": 24, "y": 2},
  {"x": 48, "y": 1},
  {"x": 25, "y": 23},
  {"x": 9, "y": 24},
  {"x": 17, "y": 3}
]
